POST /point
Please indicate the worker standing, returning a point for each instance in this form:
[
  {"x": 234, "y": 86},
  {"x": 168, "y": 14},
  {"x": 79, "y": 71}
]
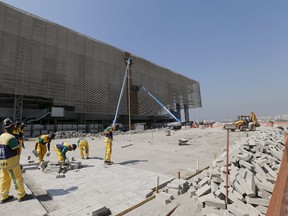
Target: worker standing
[
  {"x": 41, "y": 146},
  {"x": 108, "y": 133},
  {"x": 21, "y": 135},
  {"x": 9, "y": 165},
  {"x": 16, "y": 133},
  {"x": 61, "y": 149},
  {"x": 83, "y": 147}
]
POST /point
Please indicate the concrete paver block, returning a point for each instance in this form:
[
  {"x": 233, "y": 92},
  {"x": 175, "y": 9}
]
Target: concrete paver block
[
  {"x": 236, "y": 211},
  {"x": 215, "y": 202},
  {"x": 203, "y": 190},
  {"x": 257, "y": 201}
]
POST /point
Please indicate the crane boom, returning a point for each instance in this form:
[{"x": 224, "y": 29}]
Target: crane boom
[
  {"x": 128, "y": 61},
  {"x": 176, "y": 119}
]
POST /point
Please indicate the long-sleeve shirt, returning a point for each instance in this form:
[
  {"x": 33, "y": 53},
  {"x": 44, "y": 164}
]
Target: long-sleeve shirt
[{"x": 63, "y": 148}]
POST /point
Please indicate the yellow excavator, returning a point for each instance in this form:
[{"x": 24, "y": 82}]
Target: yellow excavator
[{"x": 243, "y": 123}]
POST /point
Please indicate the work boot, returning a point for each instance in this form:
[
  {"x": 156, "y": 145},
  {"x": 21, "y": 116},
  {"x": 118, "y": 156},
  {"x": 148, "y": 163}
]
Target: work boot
[
  {"x": 108, "y": 162},
  {"x": 26, "y": 197},
  {"x": 9, "y": 198}
]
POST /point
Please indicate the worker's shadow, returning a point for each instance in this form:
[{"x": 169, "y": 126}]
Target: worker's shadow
[
  {"x": 86, "y": 166},
  {"x": 98, "y": 158},
  {"x": 132, "y": 162},
  {"x": 59, "y": 192}
]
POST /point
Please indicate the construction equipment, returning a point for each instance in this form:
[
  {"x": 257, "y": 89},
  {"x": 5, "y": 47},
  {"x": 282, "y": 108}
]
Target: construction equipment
[
  {"x": 172, "y": 125},
  {"x": 243, "y": 123},
  {"x": 128, "y": 63}
]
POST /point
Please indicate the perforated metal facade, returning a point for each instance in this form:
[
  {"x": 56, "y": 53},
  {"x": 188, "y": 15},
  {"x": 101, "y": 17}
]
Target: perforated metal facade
[{"x": 39, "y": 58}]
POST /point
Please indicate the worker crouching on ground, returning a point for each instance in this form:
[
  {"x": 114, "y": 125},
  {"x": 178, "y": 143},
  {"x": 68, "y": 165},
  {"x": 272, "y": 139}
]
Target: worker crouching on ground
[
  {"x": 83, "y": 148},
  {"x": 41, "y": 146},
  {"x": 9, "y": 165},
  {"x": 108, "y": 133},
  {"x": 61, "y": 149}
]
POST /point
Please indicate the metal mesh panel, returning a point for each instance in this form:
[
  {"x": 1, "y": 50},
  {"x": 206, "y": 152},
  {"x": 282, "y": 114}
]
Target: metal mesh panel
[{"x": 42, "y": 59}]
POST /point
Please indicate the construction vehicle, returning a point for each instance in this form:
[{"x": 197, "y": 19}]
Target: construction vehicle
[{"x": 243, "y": 123}]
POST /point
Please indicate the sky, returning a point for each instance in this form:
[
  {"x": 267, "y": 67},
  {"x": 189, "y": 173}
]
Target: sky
[{"x": 236, "y": 50}]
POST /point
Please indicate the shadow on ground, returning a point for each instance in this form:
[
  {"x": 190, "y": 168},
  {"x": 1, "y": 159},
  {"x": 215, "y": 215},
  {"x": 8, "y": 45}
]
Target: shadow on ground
[
  {"x": 132, "y": 162},
  {"x": 60, "y": 192}
]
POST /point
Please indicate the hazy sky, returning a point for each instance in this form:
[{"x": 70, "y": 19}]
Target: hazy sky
[{"x": 236, "y": 50}]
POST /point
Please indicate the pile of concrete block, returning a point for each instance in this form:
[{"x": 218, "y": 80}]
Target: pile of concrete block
[
  {"x": 173, "y": 189},
  {"x": 77, "y": 134},
  {"x": 53, "y": 167},
  {"x": 252, "y": 171}
]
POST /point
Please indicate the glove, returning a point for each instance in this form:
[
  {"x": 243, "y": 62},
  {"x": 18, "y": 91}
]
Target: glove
[
  {"x": 66, "y": 161},
  {"x": 48, "y": 154}
]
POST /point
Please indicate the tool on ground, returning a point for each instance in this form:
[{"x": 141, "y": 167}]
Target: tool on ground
[{"x": 126, "y": 145}]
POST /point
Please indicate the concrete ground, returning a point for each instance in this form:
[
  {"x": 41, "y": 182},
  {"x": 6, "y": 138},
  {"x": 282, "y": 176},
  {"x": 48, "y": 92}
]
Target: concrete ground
[{"x": 139, "y": 160}]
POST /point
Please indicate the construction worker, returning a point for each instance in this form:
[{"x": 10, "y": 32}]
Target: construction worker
[
  {"x": 21, "y": 135},
  {"x": 41, "y": 146},
  {"x": 108, "y": 133},
  {"x": 15, "y": 133},
  {"x": 9, "y": 165},
  {"x": 61, "y": 149},
  {"x": 83, "y": 147}
]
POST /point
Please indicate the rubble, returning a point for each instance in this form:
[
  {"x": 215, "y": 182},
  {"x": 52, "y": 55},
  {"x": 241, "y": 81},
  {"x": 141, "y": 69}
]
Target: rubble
[
  {"x": 53, "y": 167},
  {"x": 78, "y": 134},
  {"x": 253, "y": 167}
]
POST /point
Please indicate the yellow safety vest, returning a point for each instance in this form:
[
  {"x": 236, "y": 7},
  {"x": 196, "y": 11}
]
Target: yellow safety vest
[{"x": 9, "y": 157}]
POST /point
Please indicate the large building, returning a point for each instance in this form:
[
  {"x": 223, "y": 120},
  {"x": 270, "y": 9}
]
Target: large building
[{"x": 52, "y": 75}]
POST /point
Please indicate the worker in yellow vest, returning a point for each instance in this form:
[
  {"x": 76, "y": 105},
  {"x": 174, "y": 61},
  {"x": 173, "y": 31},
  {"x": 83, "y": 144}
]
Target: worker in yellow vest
[
  {"x": 41, "y": 146},
  {"x": 108, "y": 133},
  {"x": 83, "y": 147},
  {"x": 15, "y": 133},
  {"x": 61, "y": 149},
  {"x": 21, "y": 135},
  {"x": 9, "y": 165}
]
